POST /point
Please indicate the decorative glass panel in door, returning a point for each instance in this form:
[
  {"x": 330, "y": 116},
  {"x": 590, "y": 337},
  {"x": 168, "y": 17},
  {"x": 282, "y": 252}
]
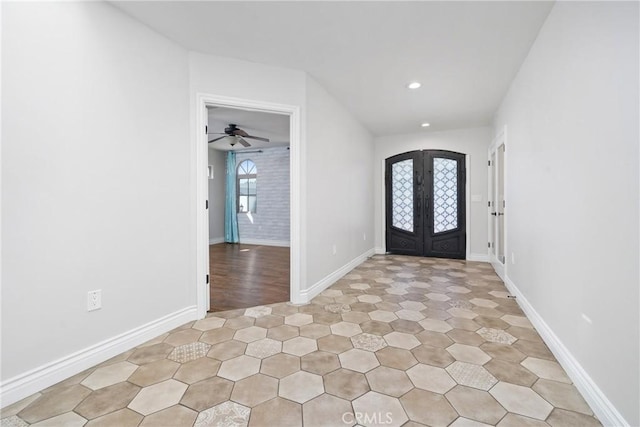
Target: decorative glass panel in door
[
  {"x": 402, "y": 195},
  {"x": 445, "y": 195}
]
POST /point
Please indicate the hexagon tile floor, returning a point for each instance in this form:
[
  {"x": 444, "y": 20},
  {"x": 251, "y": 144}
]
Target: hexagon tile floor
[{"x": 398, "y": 341}]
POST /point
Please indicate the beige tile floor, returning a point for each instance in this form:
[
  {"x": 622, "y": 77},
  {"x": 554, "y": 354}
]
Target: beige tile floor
[{"x": 398, "y": 341}]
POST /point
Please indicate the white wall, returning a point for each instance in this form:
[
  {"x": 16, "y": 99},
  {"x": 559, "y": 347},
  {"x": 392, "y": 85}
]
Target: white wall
[
  {"x": 270, "y": 224},
  {"x": 572, "y": 189},
  {"x": 336, "y": 200},
  {"x": 472, "y": 142},
  {"x": 216, "y": 195},
  {"x": 248, "y": 80},
  {"x": 95, "y": 185},
  {"x": 339, "y": 185}
]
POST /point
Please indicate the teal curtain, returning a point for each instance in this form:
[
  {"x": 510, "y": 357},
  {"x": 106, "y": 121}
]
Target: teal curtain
[{"x": 230, "y": 210}]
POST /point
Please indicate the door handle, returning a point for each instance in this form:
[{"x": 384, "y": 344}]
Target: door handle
[
  {"x": 494, "y": 213},
  {"x": 426, "y": 206},
  {"x": 500, "y": 213}
]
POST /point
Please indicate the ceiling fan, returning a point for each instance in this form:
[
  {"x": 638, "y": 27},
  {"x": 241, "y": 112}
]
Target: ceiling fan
[{"x": 237, "y": 135}]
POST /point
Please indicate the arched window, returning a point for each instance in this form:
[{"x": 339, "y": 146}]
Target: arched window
[{"x": 246, "y": 179}]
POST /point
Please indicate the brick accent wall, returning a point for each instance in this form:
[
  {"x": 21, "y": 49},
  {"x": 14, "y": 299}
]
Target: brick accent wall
[{"x": 271, "y": 221}]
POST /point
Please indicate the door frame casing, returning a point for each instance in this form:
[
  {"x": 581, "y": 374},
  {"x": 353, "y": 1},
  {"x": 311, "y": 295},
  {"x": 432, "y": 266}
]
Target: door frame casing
[
  {"x": 467, "y": 198},
  {"x": 499, "y": 140},
  {"x": 200, "y": 165}
]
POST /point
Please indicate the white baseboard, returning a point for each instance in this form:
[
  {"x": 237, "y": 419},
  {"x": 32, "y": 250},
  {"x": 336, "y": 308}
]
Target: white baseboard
[
  {"x": 380, "y": 251},
  {"x": 599, "y": 403},
  {"x": 35, "y": 380},
  {"x": 308, "y": 294},
  {"x": 261, "y": 242},
  {"x": 499, "y": 269},
  {"x": 264, "y": 242},
  {"x": 478, "y": 257}
]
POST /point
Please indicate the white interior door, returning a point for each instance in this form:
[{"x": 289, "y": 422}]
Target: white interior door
[
  {"x": 497, "y": 205},
  {"x": 500, "y": 205}
]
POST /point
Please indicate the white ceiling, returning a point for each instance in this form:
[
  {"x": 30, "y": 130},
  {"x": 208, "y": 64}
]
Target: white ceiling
[
  {"x": 465, "y": 54},
  {"x": 275, "y": 127}
]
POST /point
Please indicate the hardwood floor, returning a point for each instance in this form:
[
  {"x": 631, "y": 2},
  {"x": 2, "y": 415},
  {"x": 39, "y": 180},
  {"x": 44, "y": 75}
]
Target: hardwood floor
[{"x": 247, "y": 275}]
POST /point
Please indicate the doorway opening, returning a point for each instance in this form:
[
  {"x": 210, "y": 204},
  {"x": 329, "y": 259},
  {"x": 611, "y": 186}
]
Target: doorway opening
[
  {"x": 425, "y": 204},
  {"x": 201, "y": 198},
  {"x": 497, "y": 205},
  {"x": 249, "y": 191}
]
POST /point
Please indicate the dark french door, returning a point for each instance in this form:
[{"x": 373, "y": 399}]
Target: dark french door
[{"x": 425, "y": 204}]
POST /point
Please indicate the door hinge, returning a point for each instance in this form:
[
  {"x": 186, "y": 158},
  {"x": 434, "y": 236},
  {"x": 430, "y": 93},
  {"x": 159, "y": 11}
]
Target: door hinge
[
  {"x": 488, "y": 162},
  {"x": 207, "y": 279},
  {"x": 206, "y": 204},
  {"x": 206, "y": 129},
  {"x": 488, "y": 244},
  {"x": 489, "y": 204}
]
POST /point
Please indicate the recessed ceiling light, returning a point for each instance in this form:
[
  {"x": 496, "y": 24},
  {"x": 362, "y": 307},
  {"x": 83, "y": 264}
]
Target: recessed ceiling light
[
  {"x": 425, "y": 125},
  {"x": 414, "y": 85}
]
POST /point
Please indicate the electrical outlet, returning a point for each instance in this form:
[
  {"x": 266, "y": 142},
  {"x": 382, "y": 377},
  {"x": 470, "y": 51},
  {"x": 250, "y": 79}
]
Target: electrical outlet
[
  {"x": 94, "y": 300},
  {"x": 335, "y": 249}
]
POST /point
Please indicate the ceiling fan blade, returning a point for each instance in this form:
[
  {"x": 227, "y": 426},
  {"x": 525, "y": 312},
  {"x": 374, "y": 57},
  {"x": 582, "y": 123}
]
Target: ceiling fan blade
[
  {"x": 216, "y": 139},
  {"x": 239, "y": 132},
  {"x": 243, "y": 142},
  {"x": 259, "y": 138}
]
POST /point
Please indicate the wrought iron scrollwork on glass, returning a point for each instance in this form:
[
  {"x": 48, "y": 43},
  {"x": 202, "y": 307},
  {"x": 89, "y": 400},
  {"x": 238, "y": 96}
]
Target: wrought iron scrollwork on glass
[
  {"x": 445, "y": 195},
  {"x": 402, "y": 195}
]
